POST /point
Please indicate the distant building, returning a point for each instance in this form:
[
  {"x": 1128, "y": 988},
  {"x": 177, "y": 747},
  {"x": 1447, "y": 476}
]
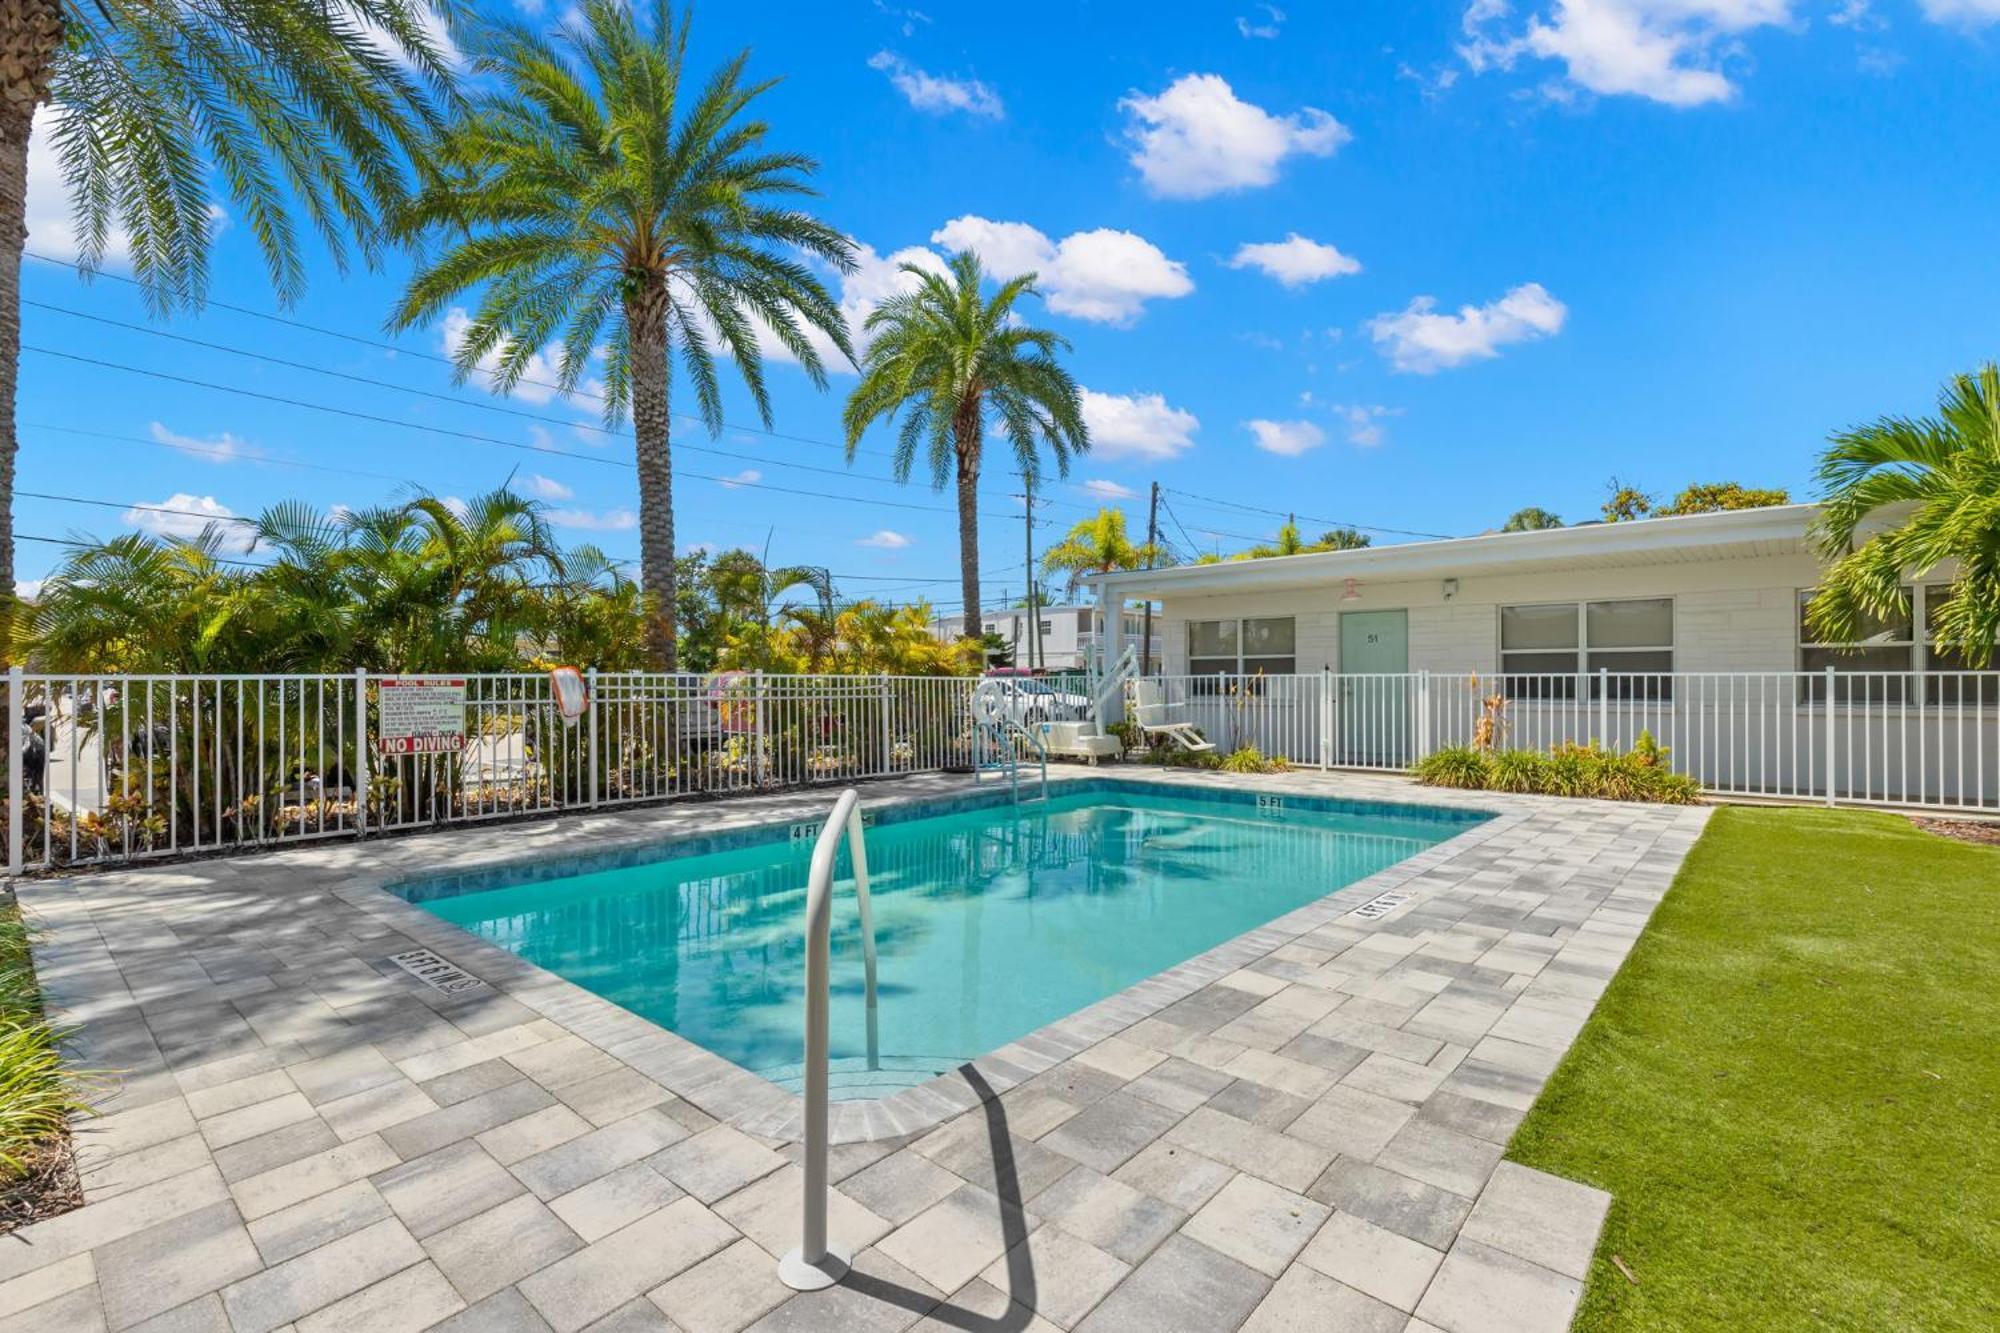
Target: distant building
[{"x": 1069, "y": 634}]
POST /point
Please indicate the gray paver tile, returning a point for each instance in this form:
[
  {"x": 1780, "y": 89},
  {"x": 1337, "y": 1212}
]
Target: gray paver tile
[
  {"x": 1104, "y": 1135},
  {"x": 1303, "y": 1301},
  {"x": 108, "y": 1136},
  {"x": 1542, "y": 1218},
  {"x": 503, "y": 1312},
  {"x": 716, "y": 1162},
  {"x": 77, "y": 1311},
  {"x": 725, "y": 1292},
  {"x": 448, "y": 1124},
  {"x": 1483, "y": 1290},
  {"x": 1259, "y": 1104},
  {"x": 239, "y": 1093},
  {"x": 1179, "y": 1177},
  {"x": 1112, "y": 1215},
  {"x": 1352, "y": 1121},
  {"x": 499, "y": 1246},
  {"x": 285, "y": 1292},
  {"x": 45, "y": 1284},
  {"x": 1059, "y": 1276},
  {"x": 342, "y": 1074},
  {"x": 900, "y": 1186},
  {"x": 583, "y": 1159},
  {"x": 98, "y": 1224},
  {"x": 1393, "y": 1269},
  {"x": 283, "y": 1186},
  {"x": 615, "y": 1201},
  {"x": 1394, "y": 1077},
  {"x": 376, "y": 1108},
  {"x": 1441, "y": 1157},
  {"x": 203, "y": 1314},
  {"x": 1184, "y": 1286},
  {"x": 1278, "y": 1158},
  {"x": 307, "y": 1226},
  {"x": 1256, "y": 1223},
  {"x": 461, "y": 1084},
  {"x": 881, "y": 1296},
  {"x": 767, "y": 1211},
  {"x": 599, "y": 1278},
  {"x": 1179, "y": 1085},
  {"x": 980, "y": 1305},
  {"x": 637, "y": 1315},
  {"x": 120, "y": 1175},
  {"x": 613, "y": 1096},
  {"x": 535, "y": 1132},
  {"x": 949, "y": 1242},
  {"x": 239, "y": 1161},
  {"x": 1405, "y": 1206},
  {"x": 444, "y": 1187},
  {"x": 412, "y": 1300}
]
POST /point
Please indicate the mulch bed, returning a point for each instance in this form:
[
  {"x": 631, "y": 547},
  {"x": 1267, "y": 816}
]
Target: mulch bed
[
  {"x": 48, "y": 1187},
  {"x": 1964, "y": 830}
]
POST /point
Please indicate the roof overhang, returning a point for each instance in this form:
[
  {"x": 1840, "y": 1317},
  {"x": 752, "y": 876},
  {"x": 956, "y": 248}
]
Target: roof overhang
[{"x": 1733, "y": 535}]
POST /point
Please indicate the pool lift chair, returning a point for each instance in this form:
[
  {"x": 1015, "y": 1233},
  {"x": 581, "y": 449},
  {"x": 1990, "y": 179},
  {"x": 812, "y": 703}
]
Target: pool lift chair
[
  {"x": 1156, "y": 717},
  {"x": 1085, "y": 738}
]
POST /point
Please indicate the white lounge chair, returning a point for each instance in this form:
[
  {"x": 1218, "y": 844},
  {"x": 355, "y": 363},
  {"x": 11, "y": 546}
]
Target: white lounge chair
[{"x": 1156, "y": 717}]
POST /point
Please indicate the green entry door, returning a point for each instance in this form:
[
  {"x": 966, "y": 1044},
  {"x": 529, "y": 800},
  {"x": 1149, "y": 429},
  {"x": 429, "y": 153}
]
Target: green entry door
[{"x": 1373, "y": 726}]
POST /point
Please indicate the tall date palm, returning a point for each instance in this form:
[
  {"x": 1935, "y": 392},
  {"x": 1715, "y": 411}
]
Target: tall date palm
[
  {"x": 287, "y": 111},
  {"x": 602, "y": 202},
  {"x": 951, "y": 359}
]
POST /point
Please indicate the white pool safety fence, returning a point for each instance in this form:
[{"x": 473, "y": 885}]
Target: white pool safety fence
[{"x": 115, "y": 768}]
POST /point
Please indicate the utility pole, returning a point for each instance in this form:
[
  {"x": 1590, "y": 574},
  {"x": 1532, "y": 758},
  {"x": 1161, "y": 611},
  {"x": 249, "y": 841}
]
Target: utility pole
[
  {"x": 1028, "y": 529},
  {"x": 1152, "y": 542}
]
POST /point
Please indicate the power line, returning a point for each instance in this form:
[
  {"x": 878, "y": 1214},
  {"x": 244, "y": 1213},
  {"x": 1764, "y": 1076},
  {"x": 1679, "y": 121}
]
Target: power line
[
  {"x": 1280, "y": 513},
  {"x": 469, "y": 436}
]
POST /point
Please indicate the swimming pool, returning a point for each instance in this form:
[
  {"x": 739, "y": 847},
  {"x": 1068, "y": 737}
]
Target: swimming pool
[{"x": 991, "y": 919}]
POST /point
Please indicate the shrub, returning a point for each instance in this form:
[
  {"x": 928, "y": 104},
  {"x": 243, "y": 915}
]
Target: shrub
[
  {"x": 1249, "y": 759},
  {"x": 1568, "y": 769},
  {"x": 36, "y": 1095},
  {"x": 1458, "y": 766}
]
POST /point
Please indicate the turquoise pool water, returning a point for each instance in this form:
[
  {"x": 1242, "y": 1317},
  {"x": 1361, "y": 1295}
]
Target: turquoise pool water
[{"x": 989, "y": 922}]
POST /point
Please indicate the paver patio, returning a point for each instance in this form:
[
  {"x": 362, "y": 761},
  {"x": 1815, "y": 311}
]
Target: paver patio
[{"x": 1301, "y": 1129}]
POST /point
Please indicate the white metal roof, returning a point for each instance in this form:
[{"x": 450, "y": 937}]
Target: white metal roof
[{"x": 1731, "y": 535}]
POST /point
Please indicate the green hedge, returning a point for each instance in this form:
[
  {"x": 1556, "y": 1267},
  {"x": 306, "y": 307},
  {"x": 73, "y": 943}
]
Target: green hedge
[{"x": 1640, "y": 774}]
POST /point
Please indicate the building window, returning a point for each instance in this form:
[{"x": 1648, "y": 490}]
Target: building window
[
  {"x": 1047, "y": 627},
  {"x": 1545, "y": 648},
  {"x": 1946, "y": 680},
  {"x": 1266, "y": 646},
  {"x": 1870, "y": 668}
]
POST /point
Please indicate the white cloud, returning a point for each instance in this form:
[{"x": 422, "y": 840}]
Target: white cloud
[
  {"x": 28, "y": 589},
  {"x": 1669, "y": 51},
  {"x": 223, "y": 448},
  {"x": 935, "y": 93},
  {"x": 1295, "y": 261},
  {"x": 1288, "y": 439},
  {"x": 1109, "y": 490},
  {"x": 1104, "y": 275},
  {"x": 546, "y": 488},
  {"x": 1136, "y": 426},
  {"x": 1198, "y": 138},
  {"x": 886, "y": 539},
  {"x": 749, "y": 476},
  {"x": 1264, "y": 25},
  {"x": 536, "y": 382},
  {"x": 434, "y": 27},
  {"x": 184, "y": 516},
  {"x": 1364, "y": 422},
  {"x": 51, "y": 228},
  {"x": 591, "y": 520},
  {"x": 1421, "y": 340},
  {"x": 1968, "y": 13}
]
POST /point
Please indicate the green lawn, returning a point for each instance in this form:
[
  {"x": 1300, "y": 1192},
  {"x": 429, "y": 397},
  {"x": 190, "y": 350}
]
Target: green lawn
[{"x": 1792, "y": 1090}]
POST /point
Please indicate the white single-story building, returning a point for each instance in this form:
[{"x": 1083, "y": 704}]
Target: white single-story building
[
  {"x": 1067, "y": 635},
  {"x": 1690, "y": 627}
]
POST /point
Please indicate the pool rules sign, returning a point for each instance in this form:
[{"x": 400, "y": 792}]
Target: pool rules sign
[{"x": 421, "y": 715}]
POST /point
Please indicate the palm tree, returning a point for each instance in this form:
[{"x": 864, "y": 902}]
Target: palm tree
[
  {"x": 951, "y": 361},
  {"x": 1342, "y": 539},
  {"x": 602, "y": 206},
  {"x": 284, "y": 109},
  {"x": 1904, "y": 498},
  {"x": 1531, "y": 519},
  {"x": 1288, "y": 542},
  {"x": 1098, "y": 545}
]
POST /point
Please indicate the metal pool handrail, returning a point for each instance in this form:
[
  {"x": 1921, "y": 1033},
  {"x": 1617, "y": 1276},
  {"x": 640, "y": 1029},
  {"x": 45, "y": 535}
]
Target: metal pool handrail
[{"x": 815, "y": 1265}]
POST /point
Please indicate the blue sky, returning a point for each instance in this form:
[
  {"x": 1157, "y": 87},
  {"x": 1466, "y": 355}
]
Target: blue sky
[{"x": 1408, "y": 265}]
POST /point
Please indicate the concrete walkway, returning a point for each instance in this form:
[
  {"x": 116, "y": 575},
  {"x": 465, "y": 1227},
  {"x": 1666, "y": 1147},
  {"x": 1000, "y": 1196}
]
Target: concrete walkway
[{"x": 1300, "y": 1130}]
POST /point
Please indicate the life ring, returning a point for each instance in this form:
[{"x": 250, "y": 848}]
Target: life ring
[{"x": 989, "y": 702}]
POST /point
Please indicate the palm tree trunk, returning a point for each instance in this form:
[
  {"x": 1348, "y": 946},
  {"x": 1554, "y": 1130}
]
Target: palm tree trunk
[
  {"x": 966, "y": 432},
  {"x": 30, "y": 33},
  {"x": 645, "y": 315}
]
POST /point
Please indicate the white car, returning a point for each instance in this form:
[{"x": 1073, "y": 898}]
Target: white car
[{"x": 1030, "y": 701}]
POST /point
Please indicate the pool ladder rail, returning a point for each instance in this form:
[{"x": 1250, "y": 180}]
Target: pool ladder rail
[
  {"x": 1000, "y": 754},
  {"x": 815, "y": 1264}
]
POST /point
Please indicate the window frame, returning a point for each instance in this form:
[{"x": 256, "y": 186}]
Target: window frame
[
  {"x": 1562, "y": 686},
  {"x": 1920, "y": 664},
  {"x": 1241, "y": 655}
]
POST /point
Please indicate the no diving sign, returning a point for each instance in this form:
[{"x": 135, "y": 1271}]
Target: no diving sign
[{"x": 421, "y": 715}]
